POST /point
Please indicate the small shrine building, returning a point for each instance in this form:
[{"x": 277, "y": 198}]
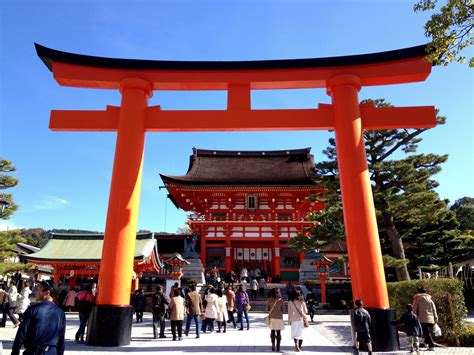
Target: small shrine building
[
  {"x": 246, "y": 205},
  {"x": 79, "y": 256}
]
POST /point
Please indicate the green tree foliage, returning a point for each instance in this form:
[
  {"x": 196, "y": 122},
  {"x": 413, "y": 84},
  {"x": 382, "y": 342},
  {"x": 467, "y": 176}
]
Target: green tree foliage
[
  {"x": 449, "y": 30},
  {"x": 8, "y": 240},
  {"x": 329, "y": 226},
  {"x": 464, "y": 209},
  {"x": 403, "y": 189},
  {"x": 10, "y": 268},
  {"x": 70, "y": 231},
  {"x": 7, "y": 181},
  {"x": 36, "y": 237}
]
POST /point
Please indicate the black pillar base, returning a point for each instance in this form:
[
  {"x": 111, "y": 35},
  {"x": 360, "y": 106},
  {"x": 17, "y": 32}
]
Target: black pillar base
[
  {"x": 110, "y": 325},
  {"x": 384, "y": 335}
]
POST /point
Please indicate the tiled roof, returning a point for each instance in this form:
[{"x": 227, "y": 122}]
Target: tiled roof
[
  {"x": 88, "y": 248},
  {"x": 214, "y": 167}
]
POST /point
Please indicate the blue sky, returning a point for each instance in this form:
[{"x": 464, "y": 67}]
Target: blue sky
[{"x": 65, "y": 176}]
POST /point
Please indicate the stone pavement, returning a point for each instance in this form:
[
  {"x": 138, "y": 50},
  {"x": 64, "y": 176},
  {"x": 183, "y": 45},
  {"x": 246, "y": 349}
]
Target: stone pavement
[{"x": 329, "y": 335}]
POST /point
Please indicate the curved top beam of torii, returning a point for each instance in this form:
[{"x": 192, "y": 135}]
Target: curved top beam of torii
[
  {"x": 383, "y": 68},
  {"x": 239, "y": 78}
]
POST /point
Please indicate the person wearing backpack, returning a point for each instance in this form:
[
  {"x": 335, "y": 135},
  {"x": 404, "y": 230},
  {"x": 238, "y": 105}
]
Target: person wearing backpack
[
  {"x": 361, "y": 323},
  {"x": 85, "y": 302},
  {"x": 159, "y": 303}
]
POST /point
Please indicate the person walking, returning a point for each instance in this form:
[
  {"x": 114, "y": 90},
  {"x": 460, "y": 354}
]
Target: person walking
[
  {"x": 262, "y": 284},
  {"x": 361, "y": 323},
  {"x": 253, "y": 289},
  {"x": 23, "y": 299},
  {"x": 44, "y": 325},
  {"x": 221, "y": 311},
  {"x": 70, "y": 300},
  {"x": 139, "y": 304},
  {"x": 10, "y": 304},
  {"x": 3, "y": 302},
  {"x": 211, "y": 310},
  {"x": 242, "y": 304},
  {"x": 159, "y": 304},
  {"x": 171, "y": 294},
  {"x": 230, "y": 295},
  {"x": 312, "y": 304},
  {"x": 297, "y": 317},
  {"x": 275, "y": 309},
  {"x": 425, "y": 309},
  {"x": 290, "y": 289},
  {"x": 194, "y": 309},
  {"x": 85, "y": 302},
  {"x": 176, "y": 309},
  {"x": 412, "y": 327}
]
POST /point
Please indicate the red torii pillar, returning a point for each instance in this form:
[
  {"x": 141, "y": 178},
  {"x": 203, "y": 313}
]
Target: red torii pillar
[{"x": 342, "y": 76}]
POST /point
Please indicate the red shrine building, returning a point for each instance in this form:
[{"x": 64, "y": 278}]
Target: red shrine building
[{"x": 246, "y": 205}]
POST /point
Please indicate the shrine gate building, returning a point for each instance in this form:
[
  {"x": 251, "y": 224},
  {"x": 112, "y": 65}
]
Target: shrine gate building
[{"x": 246, "y": 205}]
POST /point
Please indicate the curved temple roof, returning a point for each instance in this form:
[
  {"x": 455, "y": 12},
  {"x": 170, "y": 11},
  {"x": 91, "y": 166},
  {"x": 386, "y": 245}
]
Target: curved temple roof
[
  {"x": 217, "y": 167},
  {"x": 49, "y": 55},
  {"x": 88, "y": 248}
]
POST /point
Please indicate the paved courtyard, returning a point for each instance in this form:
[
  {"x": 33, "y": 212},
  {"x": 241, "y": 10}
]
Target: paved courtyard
[{"x": 329, "y": 335}]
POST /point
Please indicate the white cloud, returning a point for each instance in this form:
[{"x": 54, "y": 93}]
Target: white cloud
[{"x": 51, "y": 203}]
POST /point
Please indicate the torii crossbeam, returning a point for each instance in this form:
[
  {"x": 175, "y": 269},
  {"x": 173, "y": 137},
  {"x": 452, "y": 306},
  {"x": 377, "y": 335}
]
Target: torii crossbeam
[{"x": 342, "y": 77}]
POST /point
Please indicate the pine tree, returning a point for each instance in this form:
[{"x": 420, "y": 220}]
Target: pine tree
[
  {"x": 6, "y": 182},
  {"x": 403, "y": 189}
]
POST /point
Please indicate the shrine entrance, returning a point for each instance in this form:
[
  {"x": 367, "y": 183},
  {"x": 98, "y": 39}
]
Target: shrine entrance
[{"x": 342, "y": 77}]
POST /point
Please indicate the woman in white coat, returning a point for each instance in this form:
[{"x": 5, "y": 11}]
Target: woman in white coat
[
  {"x": 297, "y": 317},
  {"x": 221, "y": 310},
  {"x": 23, "y": 300},
  {"x": 211, "y": 310}
]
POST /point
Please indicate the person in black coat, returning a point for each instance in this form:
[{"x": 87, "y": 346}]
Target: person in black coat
[
  {"x": 159, "y": 304},
  {"x": 139, "y": 304},
  {"x": 361, "y": 324},
  {"x": 43, "y": 326},
  {"x": 412, "y": 327}
]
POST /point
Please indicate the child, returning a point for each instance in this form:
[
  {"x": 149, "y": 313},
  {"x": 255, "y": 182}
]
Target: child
[
  {"x": 412, "y": 327},
  {"x": 362, "y": 327}
]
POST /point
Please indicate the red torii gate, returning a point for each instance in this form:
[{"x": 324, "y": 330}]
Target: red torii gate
[{"x": 342, "y": 77}]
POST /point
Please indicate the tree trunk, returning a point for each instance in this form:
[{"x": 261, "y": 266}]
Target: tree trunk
[{"x": 397, "y": 246}]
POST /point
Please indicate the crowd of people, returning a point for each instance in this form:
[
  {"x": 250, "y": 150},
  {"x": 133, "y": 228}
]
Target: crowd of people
[{"x": 42, "y": 324}]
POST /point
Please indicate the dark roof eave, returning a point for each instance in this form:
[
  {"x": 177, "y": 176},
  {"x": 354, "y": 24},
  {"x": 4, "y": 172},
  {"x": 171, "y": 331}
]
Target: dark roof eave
[
  {"x": 48, "y": 56},
  {"x": 200, "y": 184},
  {"x": 139, "y": 257}
]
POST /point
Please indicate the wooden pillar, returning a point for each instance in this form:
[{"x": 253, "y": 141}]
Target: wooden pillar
[
  {"x": 56, "y": 277},
  {"x": 301, "y": 258},
  {"x": 72, "y": 281},
  {"x": 323, "y": 288},
  {"x": 122, "y": 214},
  {"x": 228, "y": 255},
  {"x": 276, "y": 257},
  {"x": 135, "y": 283},
  {"x": 365, "y": 256}
]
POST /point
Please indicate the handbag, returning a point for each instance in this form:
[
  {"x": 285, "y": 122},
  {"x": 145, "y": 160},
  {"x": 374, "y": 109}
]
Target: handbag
[
  {"x": 247, "y": 307},
  {"x": 305, "y": 321},
  {"x": 266, "y": 320}
]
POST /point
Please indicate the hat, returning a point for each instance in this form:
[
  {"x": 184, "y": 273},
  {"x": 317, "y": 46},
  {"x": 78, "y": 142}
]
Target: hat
[{"x": 48, "y": 285}]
